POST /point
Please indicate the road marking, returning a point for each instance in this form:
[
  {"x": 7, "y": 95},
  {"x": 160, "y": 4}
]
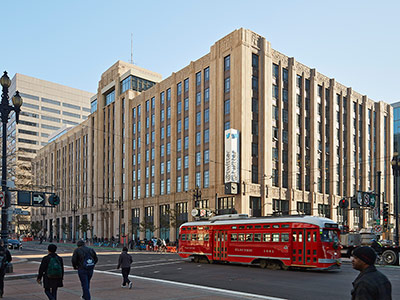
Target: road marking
[{"x": 206, "y": 288}]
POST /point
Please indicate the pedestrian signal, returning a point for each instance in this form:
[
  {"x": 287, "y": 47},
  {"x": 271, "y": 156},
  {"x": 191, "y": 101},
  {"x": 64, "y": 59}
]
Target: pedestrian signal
[{"x": 343, "y": 203}]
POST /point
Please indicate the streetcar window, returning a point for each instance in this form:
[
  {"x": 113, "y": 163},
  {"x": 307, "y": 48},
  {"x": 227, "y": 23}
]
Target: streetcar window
[
  {"x": 308, "y": 236},
  {"x": 249, "y": 237},
  {"x": 257, "y": 237},
  {"x": 275, "y": 237},
  {"x": 275, "y": 226},
  {"x": 194, "y": 227},
  {"x": 257, "y": 226},
  {"x": 314, "y": 237},
  {"x": 206, "y": 237},
  {"x": 200, "y": 236},
  {"x": 206, "y": 228},
  {"x": 294, "y": 236},
  {"x": 241, "y": 237},
  {"x": 233, "y": 237},
  {"x": 241, "y": 227},
  {"x": 267, "y": 237},
  {"x": 300, "y": 236},
  {"x": 285, "y": 226},
  {"x": 249, "y": 227},
  {"x": 194, "y": 236},
  {"x": 329, "y": 236},
  {"x": 266, "y": 226},
  {"x": 188, "y": 237},
  {"x": 183, "y": 237},
  {"x": 200, "y": 227},
  {"x": 285, "y": 237},
  {"x": 233, "y": 227},
  {"x": 189, "y": 228}
]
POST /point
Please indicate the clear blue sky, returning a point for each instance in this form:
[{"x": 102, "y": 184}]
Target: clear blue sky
[{"x": 72, "y": 42}]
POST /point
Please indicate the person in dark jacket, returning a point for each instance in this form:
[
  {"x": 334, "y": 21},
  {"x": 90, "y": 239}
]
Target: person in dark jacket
[
  {"x": 53, "y": 283},
  {"x": 83, "y": 260},
  {"x": 3, "y": 265},
  {"x": 370, "y": 284},
  {"x": 124, "y": 261}
]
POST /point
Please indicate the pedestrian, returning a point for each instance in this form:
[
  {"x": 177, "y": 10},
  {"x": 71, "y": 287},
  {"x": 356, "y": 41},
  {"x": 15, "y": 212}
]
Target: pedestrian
[
  {"x": 41, "y": 239},
  {"x": 125, "y": 261},
  {"x": 370, "y": 284},
  {"x": 52, "y": 271},
  {"x": 5, "y": 258},
  {"x": 84, "y": 260}
]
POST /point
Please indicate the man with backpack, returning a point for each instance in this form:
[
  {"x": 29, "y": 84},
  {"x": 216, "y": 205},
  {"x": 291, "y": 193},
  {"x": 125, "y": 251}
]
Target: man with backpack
[
  {"x": 84, "y": 260},
  {"x": 5, "y": 258},
  {"x": 52, "y": 271}
]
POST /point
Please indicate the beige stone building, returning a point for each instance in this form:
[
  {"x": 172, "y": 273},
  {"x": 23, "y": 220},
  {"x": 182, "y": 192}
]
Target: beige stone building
[{"x": 298, "y": 142}]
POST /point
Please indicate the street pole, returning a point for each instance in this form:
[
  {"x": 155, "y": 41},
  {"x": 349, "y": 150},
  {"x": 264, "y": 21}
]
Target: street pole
[
  {"x": 5, "y": 109},
  {"x": 396, "y": 173},
  {"x": 74, "y": 209}
]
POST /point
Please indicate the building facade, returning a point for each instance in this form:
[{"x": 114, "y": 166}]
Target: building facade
[
  {"x": 47, "y": 106},
  {"x": 242, "y": 129}
]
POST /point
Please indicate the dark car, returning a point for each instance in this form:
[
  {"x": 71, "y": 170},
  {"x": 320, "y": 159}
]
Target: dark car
[{"x": 14, "y": 244}]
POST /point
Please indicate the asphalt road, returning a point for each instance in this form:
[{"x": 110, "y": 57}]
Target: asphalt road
[{"x": 249, "y": 279}]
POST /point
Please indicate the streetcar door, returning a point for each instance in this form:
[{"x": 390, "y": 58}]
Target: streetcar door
[
  {"x": 220, "y": 245},
  {"x": 298, "y": 256},
  {"x": 310, "y": 246}
]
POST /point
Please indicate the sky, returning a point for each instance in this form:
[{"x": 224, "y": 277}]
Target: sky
[{"x": 73, "y": 42}]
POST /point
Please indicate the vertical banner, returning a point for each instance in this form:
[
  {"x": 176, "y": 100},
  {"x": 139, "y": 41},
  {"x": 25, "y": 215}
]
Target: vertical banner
[{"x": 232, "y": 155}]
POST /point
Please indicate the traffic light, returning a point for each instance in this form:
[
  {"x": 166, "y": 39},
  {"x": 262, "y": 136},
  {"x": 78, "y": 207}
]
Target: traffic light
[
  {"x": 343, "y": 203},
  {"x": 54, "y": 199},
  {"x": 385, "y": 214}
]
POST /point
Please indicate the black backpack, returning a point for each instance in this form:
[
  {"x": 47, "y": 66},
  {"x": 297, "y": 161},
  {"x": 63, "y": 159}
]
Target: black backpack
[{"x": 88, "y": 260}]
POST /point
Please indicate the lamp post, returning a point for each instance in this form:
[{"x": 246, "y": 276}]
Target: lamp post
[
  {"x": 5, "y": 109},
  {"x": 74, "y": 210},
  {"x": 120, "y": 204},
  {"x": 396, "y": 172}
]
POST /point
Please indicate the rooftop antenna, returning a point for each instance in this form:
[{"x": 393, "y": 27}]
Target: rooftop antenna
[{"x": 132, "y": 48}]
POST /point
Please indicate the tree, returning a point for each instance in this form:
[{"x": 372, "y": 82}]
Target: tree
[
  {"x": 146, "y": 225},
  {"x": 84, "y": 226},
  {"x": 176, "y": 218},
  {"x": 36, "y": 227}
]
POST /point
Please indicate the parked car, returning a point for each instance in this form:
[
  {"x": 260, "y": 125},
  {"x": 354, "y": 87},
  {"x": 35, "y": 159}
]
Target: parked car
[{"x": 14, "y": 244}]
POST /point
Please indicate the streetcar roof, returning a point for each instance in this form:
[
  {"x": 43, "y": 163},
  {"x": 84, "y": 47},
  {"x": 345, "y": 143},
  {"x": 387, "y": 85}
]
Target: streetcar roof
[{"x": 319, "y": 221}]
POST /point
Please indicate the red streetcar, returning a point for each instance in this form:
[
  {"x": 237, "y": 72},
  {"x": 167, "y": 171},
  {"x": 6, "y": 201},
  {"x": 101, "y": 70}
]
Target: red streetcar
[{"x": 273, "y": 242}]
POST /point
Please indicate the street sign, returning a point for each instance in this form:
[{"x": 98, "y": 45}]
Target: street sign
[
  {"x": 2, "y": 199},
  {"x": 24, "y": 198},
  {"x": 38, "y": 199},
  {"x": 377, "y": 229}
]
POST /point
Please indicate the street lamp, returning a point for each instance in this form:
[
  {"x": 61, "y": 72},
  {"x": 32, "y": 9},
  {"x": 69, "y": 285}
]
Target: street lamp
[
  {"x": 74, "y": 210},
  {"x": 396, "y": 172},
  {"x": 5, "y": 109}
]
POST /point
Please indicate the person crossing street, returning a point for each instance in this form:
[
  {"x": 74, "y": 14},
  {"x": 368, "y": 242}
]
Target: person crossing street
[{"x": 125, "y": 261}]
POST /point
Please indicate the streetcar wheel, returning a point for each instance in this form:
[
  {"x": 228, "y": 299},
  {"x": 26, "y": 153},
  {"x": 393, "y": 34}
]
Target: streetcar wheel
[
  {"x": 274, "y": 266},
  {"x": 196, "y": 259},
  {"x": 263, "y": 264},
  {"x": 389, "y": 257}
]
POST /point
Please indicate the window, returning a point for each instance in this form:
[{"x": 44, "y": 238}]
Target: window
[
  {"x": 186, "y": 123},
  {"x": 110, "y": 97},
  {"x": 186, "y": 158},
  {"x": 206, "y": 180},
  {"x": 206, "y": 156},
  {"x": 198, "y": 158},
  {"x": 207, "y": 74},
  {"x": 179, "y": 126},
  {"x": 186, "y": 104},
  {"x": 227, "y": 63},
  {"x": 198, "y": 118},
  {"x": 275, "y": 237},
  {"x": 266, "y": 237},
  {"x": 227, "y": 107},
  {"x": 249, "y": 237},
  {"x": 206, "y": 95},
  {"x": 234, "y": 237},
  {"x": 179, "y": 163},
  {"x": 179, "y": 108},
  {"x": 198, "y": 98},
  {"x": 206, "y": 115},
  {"x": 198, "y": 78},
  {"x": 206, "y": 136},
  {"x": 198, "y": 138},
  {"x": 186, "y": 84},
  {"x": 186, "y": 145},
  {"x": 179, "y": 88},
  {"x": 227, "y": 85},
  {"x": 257, "y": 237}
]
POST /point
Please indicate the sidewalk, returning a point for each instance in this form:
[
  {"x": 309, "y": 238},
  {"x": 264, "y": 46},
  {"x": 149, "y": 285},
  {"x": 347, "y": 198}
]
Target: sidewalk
[{"x": 107, "y": 286}]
